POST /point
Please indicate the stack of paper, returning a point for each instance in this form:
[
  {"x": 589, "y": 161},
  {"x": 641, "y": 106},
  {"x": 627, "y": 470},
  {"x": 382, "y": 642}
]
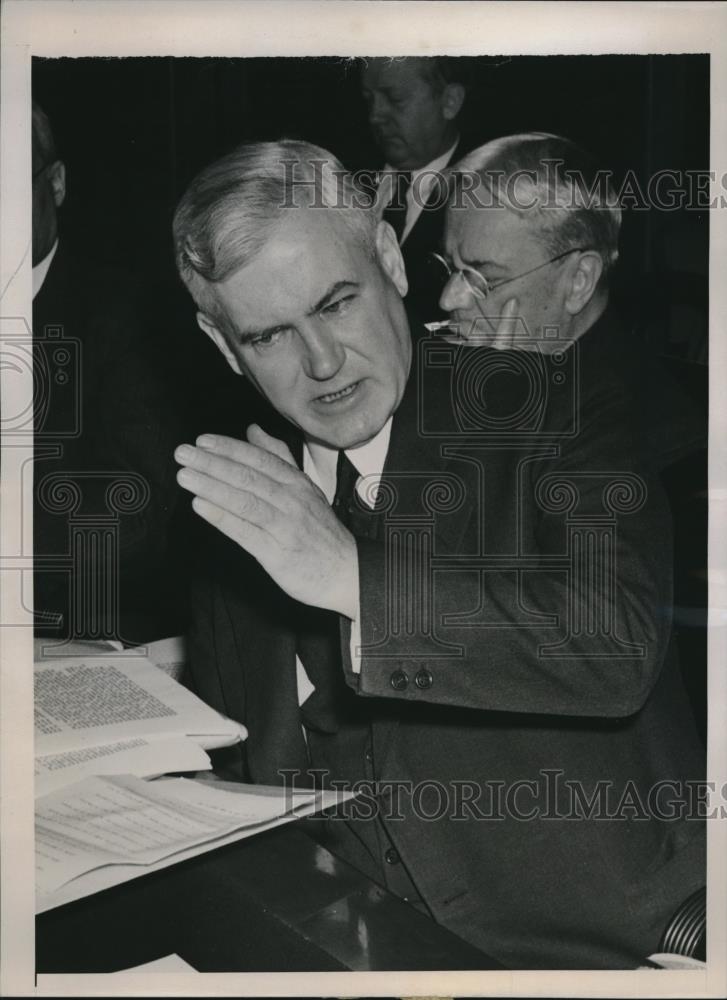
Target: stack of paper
[
  {"x": 119, "y": 714},
  {"x": 106, "y": 719},
  {"x": 106, "y": 830}
]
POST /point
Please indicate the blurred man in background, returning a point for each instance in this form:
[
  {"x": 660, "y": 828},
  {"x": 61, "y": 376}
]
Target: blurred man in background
[
  {"x": 413, "y": 109},
  {"x": 104, "y": 426}
]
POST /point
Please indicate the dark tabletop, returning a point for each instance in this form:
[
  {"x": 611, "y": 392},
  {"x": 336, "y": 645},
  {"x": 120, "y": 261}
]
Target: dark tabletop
[{"x": 276, "y": 902}]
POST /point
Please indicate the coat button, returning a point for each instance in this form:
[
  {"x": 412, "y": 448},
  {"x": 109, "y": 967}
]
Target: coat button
[
  {"x": 423, "y": 679},
  {"x": 399, "y": 680},
  {"x": 391, "y": 857},
  {"x": 369, "y": 755}
]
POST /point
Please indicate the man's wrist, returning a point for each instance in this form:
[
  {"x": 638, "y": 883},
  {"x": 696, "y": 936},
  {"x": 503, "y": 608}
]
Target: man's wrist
[{"x": 348, "y": 603}]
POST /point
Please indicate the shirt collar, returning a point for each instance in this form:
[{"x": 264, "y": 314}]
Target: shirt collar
[
  {"x": 436, "y": 165},
  {"x": 319, "y": 461},
  {"x": 41, "y": 270}
]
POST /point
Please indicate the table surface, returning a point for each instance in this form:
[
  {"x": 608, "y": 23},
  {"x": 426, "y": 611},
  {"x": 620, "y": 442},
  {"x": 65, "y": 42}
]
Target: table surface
[{"x": 277, "y": 902}]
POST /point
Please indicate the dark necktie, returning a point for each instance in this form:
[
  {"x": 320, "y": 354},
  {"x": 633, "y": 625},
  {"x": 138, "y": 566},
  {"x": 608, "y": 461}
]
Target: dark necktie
[
  {"x": 395, "y": 212},
  {"x": 319, "y": 637},
  {"x": 346, "y": 478}
]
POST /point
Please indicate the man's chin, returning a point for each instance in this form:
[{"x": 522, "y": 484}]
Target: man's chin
[
  {"x": 394, "y": 150},
  {"x": 342, "y": 436}
]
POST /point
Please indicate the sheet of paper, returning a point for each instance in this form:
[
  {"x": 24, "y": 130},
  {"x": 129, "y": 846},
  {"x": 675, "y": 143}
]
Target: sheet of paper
[
  {"x": 169, "y": 655},
  {"x": 136, "y": 756},
  {"x": 285, "y": 809},
  {"x": 122, "y": 819},
  {"x": 95, "y": 700},
  {"x": 170, "y": 963}
]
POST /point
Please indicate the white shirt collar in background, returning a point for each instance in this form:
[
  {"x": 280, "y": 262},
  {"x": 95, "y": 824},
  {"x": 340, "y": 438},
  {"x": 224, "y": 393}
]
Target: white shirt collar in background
[
  {"x": 41, "y": 270},
  {"x": 423, "y": 187}
]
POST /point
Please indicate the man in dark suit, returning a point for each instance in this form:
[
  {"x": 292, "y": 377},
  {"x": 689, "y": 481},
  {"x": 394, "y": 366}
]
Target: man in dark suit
[
  {"x": 413, "y": 108},
  {"x": 475, "y": 633},
  {"x": 104, "y": 426}
]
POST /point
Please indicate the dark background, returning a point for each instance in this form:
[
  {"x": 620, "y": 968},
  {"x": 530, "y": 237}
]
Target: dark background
[{"x": 133, "y": 132}]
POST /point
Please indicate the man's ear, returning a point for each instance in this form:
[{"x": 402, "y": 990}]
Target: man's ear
[
  {"x": 57, "y": 178},
  {"x": 583, "y": 281},
  {"x": 453, "y": 97},
  {"x": 388, "y": 253},
  {"x": 218, "y": 339}
]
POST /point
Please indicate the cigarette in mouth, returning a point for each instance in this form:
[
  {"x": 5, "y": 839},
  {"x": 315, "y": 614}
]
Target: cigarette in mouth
[{"x": 445, "y": 324}]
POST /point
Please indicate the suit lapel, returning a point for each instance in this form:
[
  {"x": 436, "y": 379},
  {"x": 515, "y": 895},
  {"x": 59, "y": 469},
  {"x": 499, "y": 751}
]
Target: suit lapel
[
  {"x": 414, "y": 463},
  {"x": 417, "y": 460}
]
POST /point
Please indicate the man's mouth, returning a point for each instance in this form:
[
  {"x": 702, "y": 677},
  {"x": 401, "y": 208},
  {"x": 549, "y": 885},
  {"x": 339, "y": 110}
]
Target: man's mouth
[{"x": 344, "y": 393}]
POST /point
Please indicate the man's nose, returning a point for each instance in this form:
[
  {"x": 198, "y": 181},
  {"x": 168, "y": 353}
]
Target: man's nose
[
  {"x": 323, "y": 354},
  {"x": 378, "y": 109},
  {"x": 456, "y": 294}
]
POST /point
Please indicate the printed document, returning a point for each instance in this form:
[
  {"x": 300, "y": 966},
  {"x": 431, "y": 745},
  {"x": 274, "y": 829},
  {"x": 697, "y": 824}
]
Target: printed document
[{"x": 105, "y": 830}]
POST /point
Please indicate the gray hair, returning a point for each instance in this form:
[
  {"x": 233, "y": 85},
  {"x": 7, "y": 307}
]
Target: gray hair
[
  {"x": 228, "y": 212},
  {"x": 553, "y": 182}
]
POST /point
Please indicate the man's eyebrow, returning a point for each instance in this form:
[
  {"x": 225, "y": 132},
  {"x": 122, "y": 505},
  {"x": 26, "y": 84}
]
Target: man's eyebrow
[
  {"x": 477, "y": 264},
  {"x": 390, "y": 90},
  {"x": 331, "y": 293},
  {"x": 245, "y": 336}
]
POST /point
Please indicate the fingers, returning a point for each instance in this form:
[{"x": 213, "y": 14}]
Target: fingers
[
  {"x": 257, "y": 436},
  {"x": 241, "y": 503},
  {"x": 507, "y": 327},
  {"x": 510, "y": 333},
  {"x": 249, "y": 454},
  {"x": 495, "y": 330},
  {"x": 238, "y": 462},
  {"x": 204, "y": 469}
]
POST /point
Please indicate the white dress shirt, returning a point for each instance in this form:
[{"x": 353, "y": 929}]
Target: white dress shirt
[
  {"x": 41, "y": 270},
  {"x": 422, "y": 181},
  {"x": 319, "y": 464}
]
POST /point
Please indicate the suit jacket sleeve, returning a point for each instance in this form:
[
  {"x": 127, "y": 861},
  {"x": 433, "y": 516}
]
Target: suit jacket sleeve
[{"x": 503, "y": 659}]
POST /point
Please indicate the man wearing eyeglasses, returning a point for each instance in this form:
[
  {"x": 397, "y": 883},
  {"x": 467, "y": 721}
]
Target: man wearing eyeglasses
[
  {"x": 449, "y": 587},
  {"x": 522, "y": 239}
]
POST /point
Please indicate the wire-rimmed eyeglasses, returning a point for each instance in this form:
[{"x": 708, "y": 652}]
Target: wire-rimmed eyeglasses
[{"x": 479, "y": 285}]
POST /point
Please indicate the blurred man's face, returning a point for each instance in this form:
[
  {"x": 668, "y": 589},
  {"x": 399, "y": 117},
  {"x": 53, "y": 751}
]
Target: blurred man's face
[
  {"x": 320, "y": 327},
  {"x": 49, "y": 189},
  {"x": 411, "y": 123}
]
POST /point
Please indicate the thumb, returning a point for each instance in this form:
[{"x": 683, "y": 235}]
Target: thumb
[
  {"x": 257, "y": 436},
  {"x": 507, "y": 326}
]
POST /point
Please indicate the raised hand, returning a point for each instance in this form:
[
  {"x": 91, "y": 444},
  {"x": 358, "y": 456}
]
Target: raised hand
[
  {"x": 253, "y": 492},
  {"x": 510, "y": 333}
]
